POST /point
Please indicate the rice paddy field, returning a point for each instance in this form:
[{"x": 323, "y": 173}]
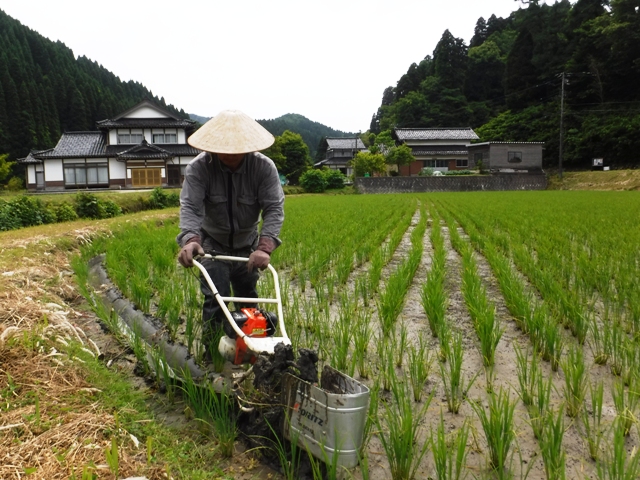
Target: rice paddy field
[{"x": 499, "y": 332}]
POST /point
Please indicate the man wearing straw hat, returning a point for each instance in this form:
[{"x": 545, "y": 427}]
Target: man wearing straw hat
[{"x": 226, "y": 189}]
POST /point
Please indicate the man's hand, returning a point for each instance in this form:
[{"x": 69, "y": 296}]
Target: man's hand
[
  {"x": 185, "y": 257},
  {"x": 258, "y": 259}
]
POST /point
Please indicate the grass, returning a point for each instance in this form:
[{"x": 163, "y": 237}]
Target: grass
[
  {"x": 618, "y": 464},
  {"x": 553, "y": 455},
  {"x": 596, "y": 180},
  {"x": 400, "y": 432},
  {"x": 455, "y": 385},
  {"x": 499, "y": 430},
  {"x": 449, "y": 451},
  {"x": 592, "y": 420},
  {"x": 575, "y": 381}
]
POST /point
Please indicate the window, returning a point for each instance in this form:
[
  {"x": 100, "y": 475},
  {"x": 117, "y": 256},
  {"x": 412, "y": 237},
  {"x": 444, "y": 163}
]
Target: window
[
  {"x": 462, "y": 163},
  {"x": 89, "y": 175},
  {"x": 129, "y": 138},
  {"x": 514, "y": 157},
  {"x": 436, "y": 163},
  {"x": 146, "y": 177},
  {"x": 165, "y": 138}
]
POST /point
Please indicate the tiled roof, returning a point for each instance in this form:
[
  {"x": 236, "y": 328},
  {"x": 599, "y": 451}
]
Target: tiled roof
[
  {"x": 75, "y": 144},
  {"x": 92, "y": 144},
  {"x": 344, "y": 143},
  {"x": 173, "y": 149},
  {"x": 30, "y": 158},
  {"x": 506, "y": 143},
  {"x": 465, "y": 133},
  {"x": 147, "y": 123}
]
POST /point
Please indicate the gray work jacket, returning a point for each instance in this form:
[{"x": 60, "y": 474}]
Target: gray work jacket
[{"x": 226, "y": 205}]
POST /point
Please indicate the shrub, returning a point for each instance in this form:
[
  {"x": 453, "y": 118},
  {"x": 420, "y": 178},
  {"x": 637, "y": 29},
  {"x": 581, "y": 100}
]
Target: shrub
[
  {"x": 157, "y": 199},
  {"x": 426, "y": 172},
  {"x": 292, "y": 190},
  {"x": 14, "y": 184},
  {"x": 88, "y": 206},
  {"x": 65, "y": 213},
  {"x": 111, "y": 208},
  {"x": 173, "y": 199},
  {"x": 313, "y": 181},
  {"x": 458, "y": 172},
  {"x": 334, "y": 178},
  {"x": 8, "y": 219}
]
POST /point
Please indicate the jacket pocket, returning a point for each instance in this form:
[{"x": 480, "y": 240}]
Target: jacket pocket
[
  {"x": 248, "y": 211},
  {"x": 216, "y": 212}
]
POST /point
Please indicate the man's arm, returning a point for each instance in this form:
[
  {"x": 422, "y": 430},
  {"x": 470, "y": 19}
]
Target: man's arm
[
  {"x": 192, "y": 210},
  {"x": 271, "y": 200}
]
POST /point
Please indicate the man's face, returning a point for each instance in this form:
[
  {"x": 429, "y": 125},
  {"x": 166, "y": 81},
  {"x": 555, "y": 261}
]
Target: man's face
[{"x": 231, "y": 160}]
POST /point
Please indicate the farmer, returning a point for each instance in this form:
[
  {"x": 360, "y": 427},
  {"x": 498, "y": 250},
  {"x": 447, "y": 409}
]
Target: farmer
[{"x": 226, "y": 189}]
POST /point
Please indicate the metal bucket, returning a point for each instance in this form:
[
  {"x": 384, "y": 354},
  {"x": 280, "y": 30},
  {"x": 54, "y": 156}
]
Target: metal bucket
[{"x": 329, "y": 420}]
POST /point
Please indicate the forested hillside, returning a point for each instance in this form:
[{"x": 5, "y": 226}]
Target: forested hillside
[
  {"x": 310, "y": 131},
  {"x": 45, "y": 90},
  {"x": 507, "y": 82}
]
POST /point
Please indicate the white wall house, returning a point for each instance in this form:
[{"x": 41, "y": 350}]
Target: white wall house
[{"x": 144, "y": 147}]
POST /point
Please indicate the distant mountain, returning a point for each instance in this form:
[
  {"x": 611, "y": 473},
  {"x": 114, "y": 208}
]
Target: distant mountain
[
  {"x": 199, "y": 119},
  {"x": 310, "y": 131}
]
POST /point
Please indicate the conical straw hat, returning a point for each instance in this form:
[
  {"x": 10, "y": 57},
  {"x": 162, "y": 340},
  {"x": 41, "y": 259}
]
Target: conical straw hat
[{"x": 231, "y": 131}]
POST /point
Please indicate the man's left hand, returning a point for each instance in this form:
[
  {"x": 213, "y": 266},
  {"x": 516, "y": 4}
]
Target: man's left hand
[{"x": 258, "y": 259}]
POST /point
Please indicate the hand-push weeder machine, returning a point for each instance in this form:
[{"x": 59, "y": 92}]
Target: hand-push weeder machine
[{"x": 328, "y": 418}]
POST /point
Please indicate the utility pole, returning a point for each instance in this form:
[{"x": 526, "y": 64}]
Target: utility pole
[{"x": 561, "y": 127}]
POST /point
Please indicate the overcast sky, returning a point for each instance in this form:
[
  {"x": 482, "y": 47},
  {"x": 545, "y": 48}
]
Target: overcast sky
[{"x": 328, "y": 60}]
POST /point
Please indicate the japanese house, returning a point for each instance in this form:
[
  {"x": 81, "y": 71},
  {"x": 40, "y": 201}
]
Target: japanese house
[
  {"x": 438, "y": 148},
  {"x": 144, "y": 147}
]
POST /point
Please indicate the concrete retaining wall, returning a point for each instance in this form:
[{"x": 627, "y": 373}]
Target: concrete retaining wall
[{"x": 450, "y": 183}]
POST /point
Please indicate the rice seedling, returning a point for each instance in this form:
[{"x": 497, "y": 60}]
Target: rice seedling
[
  {"x": 632, "y": 363},
  {"x": 420, "y": 362},
  {"x": 619, "y": 341},
  {"x": 214, "y": 411},
  {"x": 163, "y": 374},
  {"x": 553, "y": 455},
  {"x": 372, "y": 414},
  {"x": 139, "y": 347},
  {"x": 553, "y": 343},
  {"x": 375, "y": 271},
  {"x": 482, "y": 313},
  {"x": 342, "y": 335},
  {"x": 289, "y": 457},
  {"x": 401, "y": 344},
  {"x": 433, "y": 295},
  {"x": 455, "y": 386},
  {"x": 592, "y": 419},
  {"x": 617, "y": 464},
  {"x": 626, "y": 402},
  {"x": 444, "y": 336},
  {"x": 387, "y": 365},
  {"x": 449, "y": 452},
  {"x": 362, "y": 336},
  {"x": 539, "y": 409},
  {"x": 400, "y": 432},
  {"x": 600, "y": 342},
  {"x": 527, "y": 370},
  {"x": 498, "y": 428},
  {"x": 575, "y": 381},
  {"x": 221, "y": 412}
]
